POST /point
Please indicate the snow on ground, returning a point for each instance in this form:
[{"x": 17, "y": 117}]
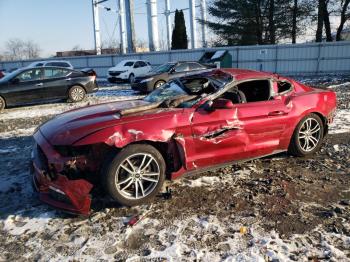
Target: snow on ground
[{"x": 34, "y": 231}]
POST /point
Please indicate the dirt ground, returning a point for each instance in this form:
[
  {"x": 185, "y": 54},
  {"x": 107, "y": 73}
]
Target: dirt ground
[{"x": 278, "y": 208}]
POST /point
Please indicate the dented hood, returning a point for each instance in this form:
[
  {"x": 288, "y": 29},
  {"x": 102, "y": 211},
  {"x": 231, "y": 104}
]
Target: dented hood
[{"x": 68, "y": 127}]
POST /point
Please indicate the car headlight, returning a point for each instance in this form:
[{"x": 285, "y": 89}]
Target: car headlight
[{"x": 146, "y": 80}]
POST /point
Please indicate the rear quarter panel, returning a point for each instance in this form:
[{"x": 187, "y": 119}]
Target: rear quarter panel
[{"x": 305, "y": 102}]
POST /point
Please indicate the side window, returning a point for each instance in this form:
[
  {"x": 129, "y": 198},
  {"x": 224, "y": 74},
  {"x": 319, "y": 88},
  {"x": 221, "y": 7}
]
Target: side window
[
  {"x": 181, "y": 68},
  {"x": 55, "y": 73},
  {"x": 195, "y": 66},
  {"x": 283, "y": 87},
  {"x": 30, "y": 75},
  {"x": 137, "y": 64},
  {"x": 236, "y": 96},
  {"x": 142, "y": 64},
  {"x": 255, "y": 90}
]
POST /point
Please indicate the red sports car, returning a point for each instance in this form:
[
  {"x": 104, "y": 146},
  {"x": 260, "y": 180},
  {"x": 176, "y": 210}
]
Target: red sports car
[{"x": 191, "y": 124}]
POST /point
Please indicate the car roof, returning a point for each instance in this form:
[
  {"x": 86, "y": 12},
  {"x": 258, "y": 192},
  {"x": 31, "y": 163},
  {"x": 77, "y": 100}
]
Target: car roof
[{"x": 241, "y": 74}]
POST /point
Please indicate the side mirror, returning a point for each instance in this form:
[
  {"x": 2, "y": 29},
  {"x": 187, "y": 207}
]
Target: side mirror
[
  {"x": 14, "y": 81},
  {"x": 222, "y": 103}
]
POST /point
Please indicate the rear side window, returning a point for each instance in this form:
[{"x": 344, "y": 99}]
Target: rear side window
[
  {"x": 283, "y": 87},
  {"x": 39, "y": 64},
  {"x": 55, "y": 73}
]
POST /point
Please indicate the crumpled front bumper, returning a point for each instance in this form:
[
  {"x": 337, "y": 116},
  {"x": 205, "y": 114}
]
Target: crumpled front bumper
[{"x": 55, "y": 189}]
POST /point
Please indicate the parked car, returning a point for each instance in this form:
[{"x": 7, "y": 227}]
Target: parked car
[
  {"x": 162, "y": 74},
  {"x": 190, "y": 124},
  {"x": 33, "y": 85},
  {"x": 127, "y": 70},
  {"x": 57, "y": 63}
]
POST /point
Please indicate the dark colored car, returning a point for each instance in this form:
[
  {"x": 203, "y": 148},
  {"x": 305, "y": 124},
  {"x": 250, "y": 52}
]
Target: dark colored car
[
  {"x": 190, "y": 124},
  {"x": 162, "y": 74},
  {"x": 33, "y": 85}
]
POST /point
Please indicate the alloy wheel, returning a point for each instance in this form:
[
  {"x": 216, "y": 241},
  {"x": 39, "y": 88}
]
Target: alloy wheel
[
  {"x": 309, "y": 134},
  {"x": 137, "y": 176},
  {"x": 77, "y": 94}
]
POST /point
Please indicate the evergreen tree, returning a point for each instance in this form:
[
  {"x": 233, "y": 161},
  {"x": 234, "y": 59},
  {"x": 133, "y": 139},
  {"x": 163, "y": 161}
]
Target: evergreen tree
[
  {"x": 179, "y": 36},
  {"x": 251, "y": 22}
]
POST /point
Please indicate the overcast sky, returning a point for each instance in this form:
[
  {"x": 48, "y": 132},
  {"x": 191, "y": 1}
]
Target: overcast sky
[{"x": 59, "y": 25}]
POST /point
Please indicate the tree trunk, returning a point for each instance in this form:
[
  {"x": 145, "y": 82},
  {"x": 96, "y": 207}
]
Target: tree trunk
[
  {"x": 272, "y": 32},
  {"x": 327, "y": 24},
  {"x": 259, "y": 27},
  {"x": 320, "y": 18},
  {"x": 343, "y": 19},
  {"x": 294, "y": 22}
]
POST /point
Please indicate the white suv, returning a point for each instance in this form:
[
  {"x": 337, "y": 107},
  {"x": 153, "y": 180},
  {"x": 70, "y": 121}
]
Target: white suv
[
  {"x": 59, "y": 63},
  {"x": 128, "y": 70}
]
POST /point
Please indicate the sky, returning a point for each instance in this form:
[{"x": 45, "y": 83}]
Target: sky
[{"x": 60, "y": 25}]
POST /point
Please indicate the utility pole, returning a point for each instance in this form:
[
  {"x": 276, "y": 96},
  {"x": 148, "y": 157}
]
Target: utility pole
[
  {"x": 203, "y": 5},
  {"x": 192, "y": 5},
  {"x": 153, "y": 38},
  {"x": 121, "y": 17},
  {"x": 130, "y": 29},
  {"x": 168, "y": 24},
  {"x": 96, "y": 21}
]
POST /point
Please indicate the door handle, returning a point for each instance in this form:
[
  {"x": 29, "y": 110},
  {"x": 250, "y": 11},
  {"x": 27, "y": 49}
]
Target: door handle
[
  {"x": 277, "y": 113},
  {"x": 40, "y": 84},
  {"x": 68, "y": 79}
]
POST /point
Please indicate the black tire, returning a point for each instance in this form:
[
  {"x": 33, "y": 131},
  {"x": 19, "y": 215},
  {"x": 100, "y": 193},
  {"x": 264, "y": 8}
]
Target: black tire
[
  {"x": 76, "y": 93},
  {"x": 298, "y": 145},
  {"x": 158, "y": 84},
  {"x": 114, "y": 174},
  {"x": 131, "y": 78},
  {"x": 2, "y": 104}
]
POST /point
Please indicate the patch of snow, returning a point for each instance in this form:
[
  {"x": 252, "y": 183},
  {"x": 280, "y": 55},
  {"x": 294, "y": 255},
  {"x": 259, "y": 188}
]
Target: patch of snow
[
  {"x": 341, "y": 122},
  {"x": 18, "y": 224}
]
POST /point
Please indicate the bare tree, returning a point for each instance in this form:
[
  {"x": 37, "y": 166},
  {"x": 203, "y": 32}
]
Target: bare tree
[
  {"x": 17, "y": 49},
  {"x": 31, "y": 50},
  {"x": 14, "y": 49}
]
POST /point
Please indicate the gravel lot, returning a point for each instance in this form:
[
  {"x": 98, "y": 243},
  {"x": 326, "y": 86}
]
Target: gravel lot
[{"x": 277, "y": 208}]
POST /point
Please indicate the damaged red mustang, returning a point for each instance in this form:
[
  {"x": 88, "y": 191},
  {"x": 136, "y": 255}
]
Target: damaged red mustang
[{"x": 191, "y": 124}]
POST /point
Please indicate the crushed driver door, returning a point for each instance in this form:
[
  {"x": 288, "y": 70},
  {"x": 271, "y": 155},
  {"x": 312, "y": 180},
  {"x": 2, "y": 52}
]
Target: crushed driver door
[{"x": 218, "y": 136}]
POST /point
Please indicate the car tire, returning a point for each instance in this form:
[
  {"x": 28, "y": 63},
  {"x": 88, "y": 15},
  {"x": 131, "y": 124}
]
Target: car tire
[
  {"x": 307, "y": 137},
  {"x": 135, "y": 175},
  {"x": 76, "y": 93},
  {"x": 131, "y": 78},
  {"x": 159, "y": 84},
  {"x": 2, "y": 104}
]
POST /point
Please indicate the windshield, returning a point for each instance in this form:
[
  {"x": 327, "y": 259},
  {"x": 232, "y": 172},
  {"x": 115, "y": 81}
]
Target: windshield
[
  {"x": 10, "y": 75},
  {"x": 129, "y": 64},
  {"x": 163, "y": 68},
  {"x": 170, "y": 90}
]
